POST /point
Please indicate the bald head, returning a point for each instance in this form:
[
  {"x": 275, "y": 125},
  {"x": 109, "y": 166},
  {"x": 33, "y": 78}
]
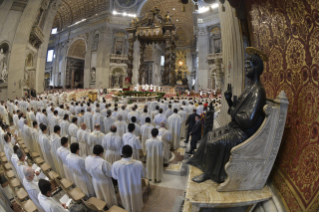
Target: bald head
[
  {"x": 120, "y": 117},
  {"x": 162, "y": 124},
  {"x": 29, "y": 173},
  {"x": 113, "y": 128},
  {"x": 83, "y": 126},
  {"x": 97, "y": 127}
]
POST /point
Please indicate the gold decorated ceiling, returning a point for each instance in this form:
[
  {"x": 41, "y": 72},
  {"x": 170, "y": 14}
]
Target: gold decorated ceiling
[
  {"x": 72, "y": 11},
  {"x": 185, "y": 23},
  {"x": 77, "y": 49}
]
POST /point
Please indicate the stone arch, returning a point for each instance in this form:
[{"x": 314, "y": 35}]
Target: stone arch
[
  {"x": 117, "y": 77},
  {"x": 77, "y": 48}
]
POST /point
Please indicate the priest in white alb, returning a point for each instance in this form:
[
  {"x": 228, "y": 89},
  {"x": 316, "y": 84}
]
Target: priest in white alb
[
  {"x": 146, "y": 132},
  {"x": 159, "y": 118},
  {"x": 54, "y": 120},
  {"x": 96, "y": 137},
  {"x": 129, "y": 173},
  {"x": 108, "y": 121},
  {"x": 113, "y": 144},
  {"x": 65, "y": 124},
  {"x": 73, "y": 130},
  {"x": 166, "y": 137},
  {"x": 27, "y": 135},
  {"x": 183, "y": 116},
  {"x": 97, "y": 118},
  {"x": 130, "y": 138},
  {"x": 55, "y": 145},
  {"x": 45, "y": 145},
  {"x": 81, "y": 177},
  {"x": 87, "y": 118},
  {"x": 30, "y": 183},
  {"x": 121, "y": 126},
  {"x": 101, "y": 172},
  {"x": 174, "y": 123},
  {"x": 83, "y": 136},
  {"x": 63, "y": 152},
  {"x": 154, "y": 157}
]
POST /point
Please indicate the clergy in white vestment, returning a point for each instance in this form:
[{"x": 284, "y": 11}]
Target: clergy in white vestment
[
  {"x": 108, "y": 121},
  {"x": 159, "y": 118},
  {"x": 46, "y": 201},
  {"x": 200, "y": 108},
  {"x": 44, "y": 118},
  {"x": 54, "y": 120},
  {"x": 5, "y": 116},
  {"x": 80, "y": 118},
  {"x": 137, "y": 130},
  {"x": 35, "y": 139},
  {"x": 55, "y": 145},
  {"x": 143, "y": 116},
  {"x": 73, "y": 130},
  {"x": 129, "y": 173},
  {"x": 14, "y": 158},
  {"x": 130, "y": 138},
  {"x": 154, "y": 157},
  {"x": 38, "y": 116},
  {"x": 65, "y": 124},
  {"x": 21, "y": 165},
  {"x": 96, "y": 137},
  {"x": 101, "y": 172},
  {"x": 154, "y": 113},
  {"x": 174, "y": 123},
  {"x": 83, "y": 139},
  {"x": 45, "y": 145},
  {"x": 183, "y": 116},
  {"x": 27, "y": 135},
  {"x": 113, "y": 144},
  {"x": 30, "y": 183},
  {"x": 133, "y": 113},
  {"x": 146, "y": 132},
  {"x": 169, "y": 111},
  {"x": 87, "y": 119},
  {"x": 63, "y": 152},
  {"x": 8, "y": 149},
  {"x": 31, "y": 115},
  {"x": 76, "y": 165},
  {"x": 166, "y": 137},
  {"x": 121, "y": 126},
  {"x": 122, "y": 112},
  {"x": 97, "y": 118},
  {"x": 15, "y": 119}
]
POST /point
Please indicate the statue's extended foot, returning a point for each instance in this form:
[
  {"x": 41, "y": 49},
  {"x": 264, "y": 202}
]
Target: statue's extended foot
[{"x": 201, "y": 178}]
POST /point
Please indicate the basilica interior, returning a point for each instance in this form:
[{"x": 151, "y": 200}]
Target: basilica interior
[{"x": 180, "y": 47}]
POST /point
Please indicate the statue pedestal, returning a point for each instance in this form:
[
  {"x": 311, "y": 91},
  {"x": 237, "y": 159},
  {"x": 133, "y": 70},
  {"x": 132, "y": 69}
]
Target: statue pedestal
[
  {"x": 181, "y": 88},
  {"x": 205, "y": 195}
]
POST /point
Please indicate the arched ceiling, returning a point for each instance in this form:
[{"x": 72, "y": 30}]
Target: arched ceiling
[
  {"x": 77, "y": 49},
  {"x": 72, "y": 11},
  {"x": 184, "y": 21}
]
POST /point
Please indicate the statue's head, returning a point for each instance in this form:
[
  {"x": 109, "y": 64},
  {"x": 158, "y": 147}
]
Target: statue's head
[{"x": 253, "y": 64}]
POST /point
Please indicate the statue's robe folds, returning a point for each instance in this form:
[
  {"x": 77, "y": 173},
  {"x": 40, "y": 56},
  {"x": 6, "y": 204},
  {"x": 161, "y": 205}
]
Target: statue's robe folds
[{"x": 247, "y": 116}]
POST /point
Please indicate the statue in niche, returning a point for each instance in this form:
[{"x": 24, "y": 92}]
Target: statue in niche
[
  {"x": 96, "y": 41},
  {"x": 26, "y": 78},
  {"x": 168, "y": 18},
  {"x": 217, "y": 46},
  {"x": 246, "y": 117},
  {"x": 93, "y": 75},
  {"x": 3, "y": 66}
]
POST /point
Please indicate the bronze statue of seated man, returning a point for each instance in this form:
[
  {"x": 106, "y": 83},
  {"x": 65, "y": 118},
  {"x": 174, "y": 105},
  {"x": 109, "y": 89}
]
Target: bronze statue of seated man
[{"x": 246, "y": 117}]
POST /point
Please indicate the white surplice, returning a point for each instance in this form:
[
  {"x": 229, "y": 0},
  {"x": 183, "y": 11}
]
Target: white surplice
[
  {"x": 55, "y": 145},
  {"x": 146, "y": 133},
  {"x": 27, "y": 137},
  {"x": 133, "y": 141},
  {"x": 36, "y": 144},
  {"x": 108, "y": 122},
  {"x": 45, "y": 145},
  {"x": 174, "y": 125},
  {"x": 97, "y": 118},
  {"x": 73, "y": 130},
  {"x": 33, "y": 191},
  {"x": 54, "y": 120},
  {"x": 21, "y": 165},
  {"x": 83, "y": 137},
  {"x": 50, "y": 205},
  {"x": 96, "y": 137},
  {"x": 65, "y": 129},
  {"x": 129, "y": 173},
  {"x": 166, "y": 137},
  {"x": 81, "y": 177},
  {"x": 154, "y": 159},
  {"x": 101, "y": 172},
  {"x": 158, "y": 119},
  {"x": 121, "y": 128},
  {"x": 112, "y": 143},
  {"x": 63, "y": 153},
  {"x": 87, "y": 118},
  {"x": 183, "y": 116},
  {"x": 143, "y": 117}
]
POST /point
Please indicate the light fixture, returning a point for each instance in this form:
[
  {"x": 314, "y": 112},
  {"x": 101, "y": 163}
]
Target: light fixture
[
  {"x": 173, "y": 8},
  {"x": 176, "y": 19},
  {"x": 124, "y": 14},
  {"x": 114, "y": 12},
  {"x": 180, "y": 63}
]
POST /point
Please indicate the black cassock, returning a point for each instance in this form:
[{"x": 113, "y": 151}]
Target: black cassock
[{"x": 247, "y": 116}]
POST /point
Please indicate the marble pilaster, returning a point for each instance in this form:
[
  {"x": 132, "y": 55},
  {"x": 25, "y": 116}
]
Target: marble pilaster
[
  {"x": 4, "y": 11},
  {"x": 108, "y": 39},
  {"x": 203, "y": 50},
  {"x": 88, "y": 60},
  {"x": 17, "y": 63}
]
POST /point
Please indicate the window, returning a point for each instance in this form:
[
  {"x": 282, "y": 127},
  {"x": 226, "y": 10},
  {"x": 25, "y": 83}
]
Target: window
[
  {"x": 50, "y": 55},
  {"x": 200, "y": 20},
  {"x": 162, "y": 60},
  {"x": 54, "y": 31}
]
